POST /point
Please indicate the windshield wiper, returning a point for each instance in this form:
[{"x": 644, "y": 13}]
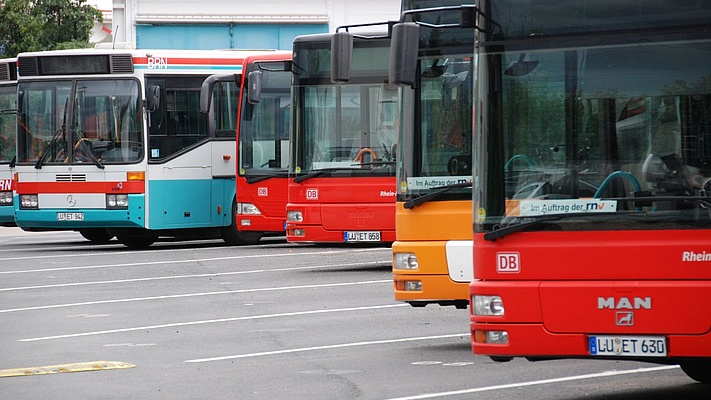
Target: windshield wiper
[
  {"x": 45, "y": 152},
  {"x": 87, "y": 149},
  {"x": 319, "y": 172},
  {"x": 501, "y": 232},
  {"x": 438, "y": 191},
  {"x": 281, "y": 173},
  {"x": 61, "y": 132}
]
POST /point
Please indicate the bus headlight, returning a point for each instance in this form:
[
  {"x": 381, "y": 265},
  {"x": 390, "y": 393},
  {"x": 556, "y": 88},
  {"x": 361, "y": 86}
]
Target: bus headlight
[
  {"x": 294, "y": 216},
  {"x": 488, "y": 305},
  {"x": 5, "y": 198},
  {"x": 248, "y": 209},
  {"x": 29, "y": 201},
  {"x": 405, "y": 261},
  {"x": 491, "y": 337},
  {"x": 116, "y": 201}
]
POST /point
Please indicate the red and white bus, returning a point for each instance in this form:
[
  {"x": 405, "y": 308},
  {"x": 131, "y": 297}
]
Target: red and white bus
[
  {"x": 8, "y": 135},
  {"x": 592, "y": 180},
  {"x": 260, "y": 102},
  {"x": 342, "y": 185}
]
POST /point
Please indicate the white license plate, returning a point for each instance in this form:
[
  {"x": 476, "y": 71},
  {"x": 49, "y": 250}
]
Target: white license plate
[
  {"x": 70, "y": 216},
  {"x": 362, "y": 236},
  {"x": 628, "y": 346}
]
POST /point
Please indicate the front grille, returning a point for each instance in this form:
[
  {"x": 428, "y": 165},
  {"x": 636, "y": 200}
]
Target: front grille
[{"x": 70, "y": 178}]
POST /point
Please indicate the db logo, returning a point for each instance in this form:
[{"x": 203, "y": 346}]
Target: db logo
[
  {"x": 311, "y": 194},
  {"x": 508, "y": 262},
  {"x": 262, "y": 192}
]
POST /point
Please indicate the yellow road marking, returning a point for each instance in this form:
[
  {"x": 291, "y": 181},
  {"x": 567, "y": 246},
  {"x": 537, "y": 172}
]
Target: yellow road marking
[{"x": 62, "y": 368}]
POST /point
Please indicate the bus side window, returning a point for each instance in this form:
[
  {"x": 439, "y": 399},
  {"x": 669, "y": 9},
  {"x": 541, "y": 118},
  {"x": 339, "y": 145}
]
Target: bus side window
[{"x": 178, "y": 123}]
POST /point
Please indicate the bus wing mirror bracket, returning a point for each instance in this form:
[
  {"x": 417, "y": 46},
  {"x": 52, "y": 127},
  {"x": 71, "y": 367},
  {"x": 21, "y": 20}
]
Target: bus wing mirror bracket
[
  {"x": 404, "y": 48},
  {"x": 341, "y": 54},
  {"x": 153, "y": 98},
  {"x": 208, "y": 86},
  {"x": 254, "y": 90}
]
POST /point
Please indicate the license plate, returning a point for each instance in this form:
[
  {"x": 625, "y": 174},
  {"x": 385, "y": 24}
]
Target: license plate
[
  {"x": 362, "y": 236},
  {"x": 70, "y": 216},
  {"x": 628, "y": 346}
]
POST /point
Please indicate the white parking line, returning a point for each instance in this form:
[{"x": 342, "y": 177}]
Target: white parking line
[
  {"x": 332, "y": 346},
  {"x": 144, "y": 263},
  {"x": 213, "y": 321},
  {"x": 534, "y": 383},
  {"x": 177, "y": 296},
  {"x": 158, "y": 278}
]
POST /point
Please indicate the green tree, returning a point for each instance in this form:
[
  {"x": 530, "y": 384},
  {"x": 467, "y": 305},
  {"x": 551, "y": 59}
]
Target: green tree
[{"x": 36, "y": 25}]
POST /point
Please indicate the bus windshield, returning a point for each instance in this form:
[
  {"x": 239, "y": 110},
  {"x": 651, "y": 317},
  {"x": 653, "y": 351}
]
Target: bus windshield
[
  {"x": 615, "y": 128},
  {"x": 8, "y": 123},
  {"x": 439, "y": 154},
  {"x": 352, "y": 127},
  {"x": 264, "y": 130},
  {"x": 80, "y": 121}
]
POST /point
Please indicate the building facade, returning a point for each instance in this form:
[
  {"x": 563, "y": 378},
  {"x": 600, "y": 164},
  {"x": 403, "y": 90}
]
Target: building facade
[{"x": 229, "y": 24}]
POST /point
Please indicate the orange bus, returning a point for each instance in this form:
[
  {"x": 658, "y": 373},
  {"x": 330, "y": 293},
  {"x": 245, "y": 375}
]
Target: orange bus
[{"x": 432, "y": 261}]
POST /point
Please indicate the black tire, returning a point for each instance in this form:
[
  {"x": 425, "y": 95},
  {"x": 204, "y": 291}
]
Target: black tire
[
  {"x": 96, "y": 235},
  {"x": 234, "y": 237},
  {"x": 698, "y": 370},
  {"x": 135, "y": 238}
]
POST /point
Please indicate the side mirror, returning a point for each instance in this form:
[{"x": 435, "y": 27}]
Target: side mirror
[
  {"x": 153, "y": 98},
  {"x": 341, "y": 54},
  {"x": 404, "y": 49},
  {"x": 254, "y": 90}
]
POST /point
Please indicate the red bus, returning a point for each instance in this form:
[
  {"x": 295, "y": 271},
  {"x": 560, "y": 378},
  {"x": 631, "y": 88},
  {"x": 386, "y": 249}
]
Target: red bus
[
  {"x": 261, "y": 105},
  {"x": 591, "y": 210},
  {"x": 342, "y": 185}
]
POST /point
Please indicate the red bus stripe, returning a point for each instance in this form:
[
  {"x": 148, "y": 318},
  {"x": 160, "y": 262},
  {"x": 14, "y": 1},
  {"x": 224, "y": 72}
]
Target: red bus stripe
[{"x": 81, "y": 187}]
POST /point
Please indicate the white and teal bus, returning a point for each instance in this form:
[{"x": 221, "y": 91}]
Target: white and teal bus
[
  {"x": 113, "y": 143},
  {"x": 8, "y": 128}
]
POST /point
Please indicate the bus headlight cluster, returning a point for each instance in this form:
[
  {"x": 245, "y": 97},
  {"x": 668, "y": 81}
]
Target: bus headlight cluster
[
  {"x": 29, "y": 201},
  {"x": 487, "y": 305},
  {"x": 294, "y": 216},
  {"x": 116, "y": 201},
  {"x": 491, "y": 337},
  {"x": 248, "y": 209},
  {"x": 5, "y": 198},
  {"x": 405, "y": 261}
]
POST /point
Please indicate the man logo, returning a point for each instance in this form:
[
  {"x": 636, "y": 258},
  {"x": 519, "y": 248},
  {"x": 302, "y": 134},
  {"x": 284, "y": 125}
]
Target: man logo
[{"x": 625, "y": 318}]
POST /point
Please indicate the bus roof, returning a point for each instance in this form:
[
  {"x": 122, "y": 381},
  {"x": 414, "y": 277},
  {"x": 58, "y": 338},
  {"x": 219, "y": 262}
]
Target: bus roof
[{"x": 122, "y": 61}]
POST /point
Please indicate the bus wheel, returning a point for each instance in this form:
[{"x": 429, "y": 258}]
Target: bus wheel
[
  {"x": 698, "y": 370},
  {"x": 96, "y": 235},
  {"x": 137, "y": 241},
  {"x": 234, "y": 237}
]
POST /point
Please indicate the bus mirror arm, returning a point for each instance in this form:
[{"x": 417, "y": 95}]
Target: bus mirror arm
[{"x": 208, "y": 86}]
